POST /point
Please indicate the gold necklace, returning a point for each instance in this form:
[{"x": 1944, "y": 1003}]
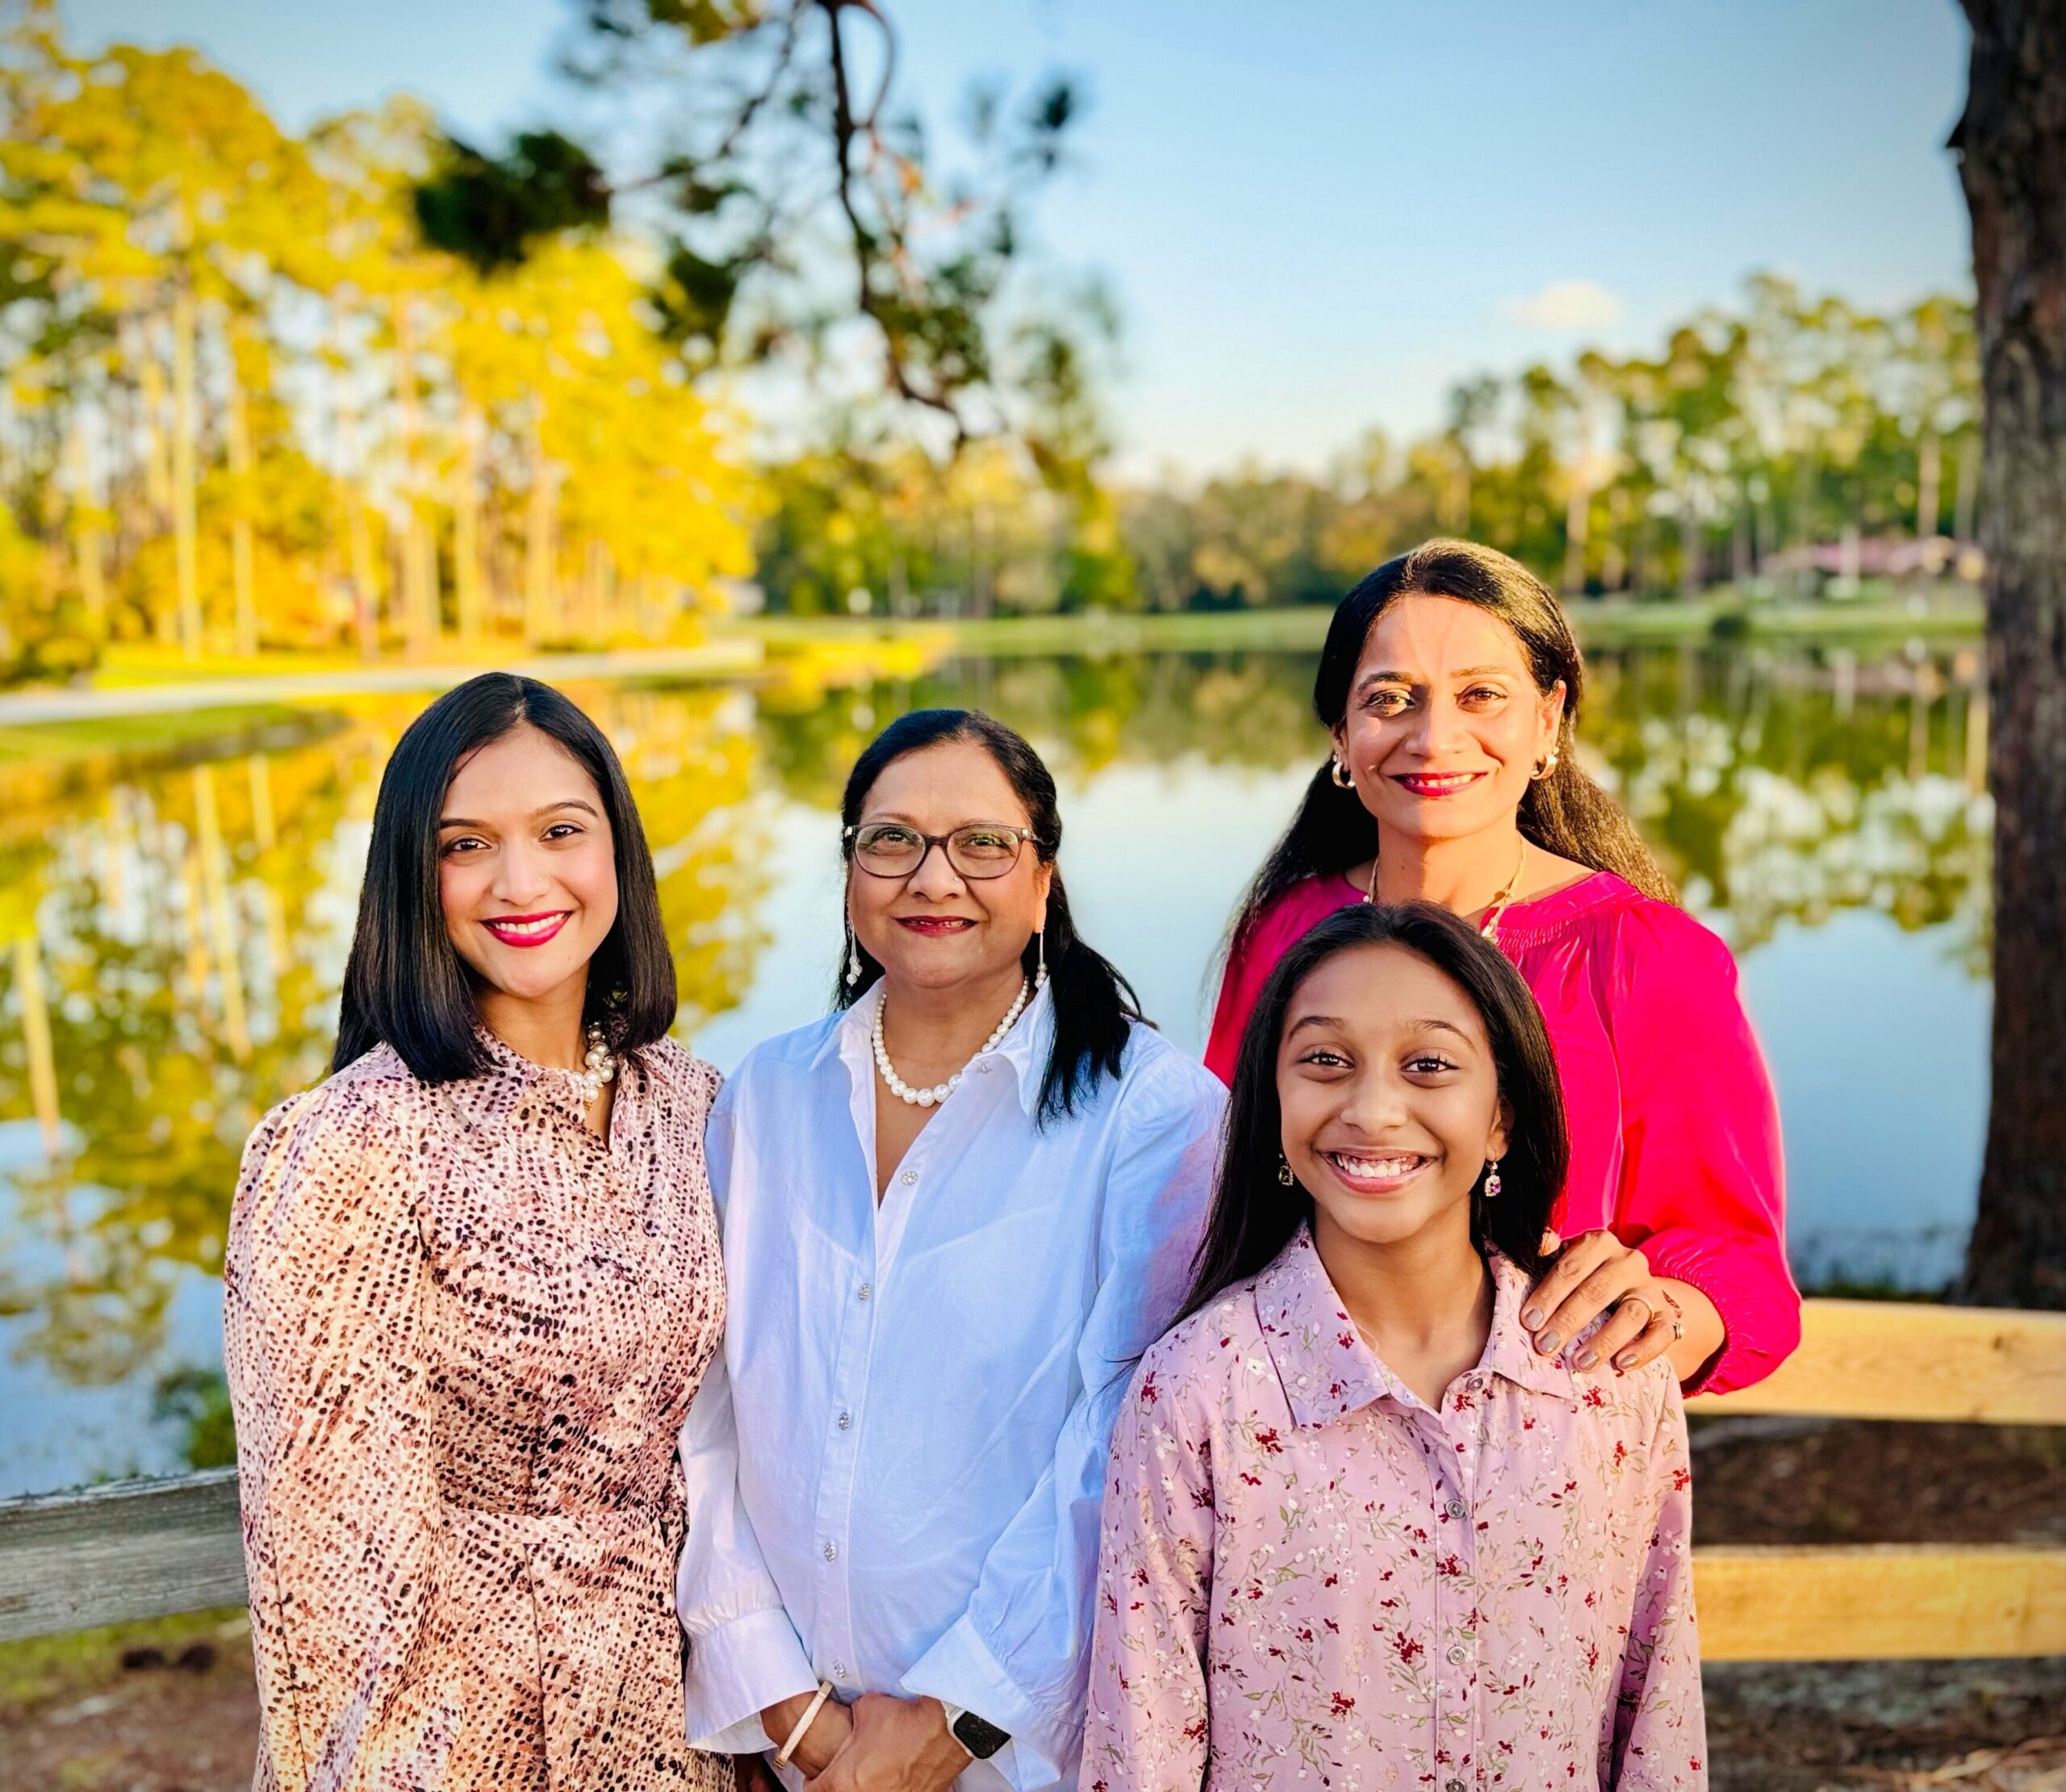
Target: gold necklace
[{"x": 1489, "y": 927}]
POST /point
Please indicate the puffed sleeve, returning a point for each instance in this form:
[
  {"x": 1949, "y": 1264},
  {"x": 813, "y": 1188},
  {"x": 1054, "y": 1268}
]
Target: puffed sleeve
[
  {"x": 1660, "y": 1729},
  {"x": 321, "y": 1278},
  {"x": 1703, "y": 1185},
  {"x": 1148, "y": 1719}
]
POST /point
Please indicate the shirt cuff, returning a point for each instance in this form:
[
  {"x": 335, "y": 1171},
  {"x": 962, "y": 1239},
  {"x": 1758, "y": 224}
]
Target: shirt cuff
[
  {"x": 1752, "y": 1291},
  {"x": 959, "y": 1669},
  {"x": 735, "y": 1672}
]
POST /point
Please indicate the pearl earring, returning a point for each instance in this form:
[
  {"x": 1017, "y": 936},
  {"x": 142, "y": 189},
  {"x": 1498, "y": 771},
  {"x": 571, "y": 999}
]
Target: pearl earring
[
  {"x": 1492, "y": 1179},
  {"x": 1040, "y": 968},
  {"x": 853, "y": 958}
]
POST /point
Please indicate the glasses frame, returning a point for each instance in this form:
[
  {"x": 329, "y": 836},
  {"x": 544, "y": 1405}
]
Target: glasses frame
[{"x": 1021, "y": 835}]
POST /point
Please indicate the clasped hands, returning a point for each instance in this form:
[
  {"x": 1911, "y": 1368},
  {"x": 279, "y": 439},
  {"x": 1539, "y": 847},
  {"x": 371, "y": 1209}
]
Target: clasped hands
[{"x": 878, "y": 1743}]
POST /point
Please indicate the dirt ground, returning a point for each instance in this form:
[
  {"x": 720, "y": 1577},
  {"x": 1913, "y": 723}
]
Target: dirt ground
[{"x": 169, "y": 1707}]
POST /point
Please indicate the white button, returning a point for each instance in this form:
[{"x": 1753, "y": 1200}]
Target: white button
[
  {"x": 910, "y": 1177},
  {"x": 982, "y": 1066},
  {"x": 1458, "y": 1654},
  {"x": 831, "y": 1552},
  {"x": 866, "y": 1290},
  {"x": 839, "y": 1670},
  {"x": 846, "y": 1419},
  {"x": 1458, "y": 1508},
  {"x": 1455, "y": 1786}
]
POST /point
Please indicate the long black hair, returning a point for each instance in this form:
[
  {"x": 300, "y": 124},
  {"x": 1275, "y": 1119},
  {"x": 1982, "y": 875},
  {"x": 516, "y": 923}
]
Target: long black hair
[
  {"x": 1254, "y": 1215},
  {"x": 1095, "y": 1008},
  {"x": 1565, "y": 812},
  {"x": 405, "y": 984}
]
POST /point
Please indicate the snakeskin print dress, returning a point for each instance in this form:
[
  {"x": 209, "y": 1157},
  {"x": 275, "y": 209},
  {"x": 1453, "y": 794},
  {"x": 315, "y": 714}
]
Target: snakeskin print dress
[{"x": 462, "y": 1334}]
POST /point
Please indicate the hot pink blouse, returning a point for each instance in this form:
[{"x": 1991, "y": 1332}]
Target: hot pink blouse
[{"x": 1675, "y": 1131}]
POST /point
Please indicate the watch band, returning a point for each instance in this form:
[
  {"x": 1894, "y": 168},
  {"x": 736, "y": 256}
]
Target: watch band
[{"x": 982, "y": 1738}]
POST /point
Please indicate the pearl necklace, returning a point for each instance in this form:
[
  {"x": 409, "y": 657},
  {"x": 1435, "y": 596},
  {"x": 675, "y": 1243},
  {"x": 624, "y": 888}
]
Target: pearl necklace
[
  {"x": 939, "y": 1091},
  {"x": 601, "y": 1067}
]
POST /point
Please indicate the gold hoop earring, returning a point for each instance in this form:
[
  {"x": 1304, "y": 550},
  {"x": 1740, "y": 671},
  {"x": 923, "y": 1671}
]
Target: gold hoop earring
[
  {"x": 1344, "y": 778},
  {"x": 1543, "y": 767}
]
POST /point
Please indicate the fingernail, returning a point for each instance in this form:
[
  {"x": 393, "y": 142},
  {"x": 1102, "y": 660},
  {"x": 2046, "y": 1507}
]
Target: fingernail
[
  {"x": 1586, "y": 1358},
  {"x": 1624, "y": 1363},
  {"x": 1532, "y": 1316},
  {"x": 1547, "y": 1344}
]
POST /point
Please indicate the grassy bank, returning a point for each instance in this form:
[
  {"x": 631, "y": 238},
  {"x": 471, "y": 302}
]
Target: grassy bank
[
  {"x": 164, "y": 735},
  {"x": 1606, "y": 623}
]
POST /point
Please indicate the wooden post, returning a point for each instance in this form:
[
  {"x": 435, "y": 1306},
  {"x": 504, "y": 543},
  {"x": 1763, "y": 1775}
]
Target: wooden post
[
  {"x": 186, "y": 424},
  {"x": 36, "y": 1042}
]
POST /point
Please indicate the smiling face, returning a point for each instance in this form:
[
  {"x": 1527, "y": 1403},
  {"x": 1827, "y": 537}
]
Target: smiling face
[
  {"x": 935, "y": 929},
  {"x": 1389, "y": 1094},
  {"x": 527, "y": 867},
  {"x": 1445, "y": 725}
]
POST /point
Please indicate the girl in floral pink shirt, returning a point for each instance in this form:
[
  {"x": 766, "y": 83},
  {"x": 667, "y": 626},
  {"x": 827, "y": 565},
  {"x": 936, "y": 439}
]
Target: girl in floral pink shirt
[{"x": 1358, "y": 1534}]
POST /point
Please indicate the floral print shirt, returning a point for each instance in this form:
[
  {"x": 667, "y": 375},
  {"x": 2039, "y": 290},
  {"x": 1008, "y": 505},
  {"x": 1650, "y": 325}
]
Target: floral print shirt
[{"x": 1310, "y": 1579}]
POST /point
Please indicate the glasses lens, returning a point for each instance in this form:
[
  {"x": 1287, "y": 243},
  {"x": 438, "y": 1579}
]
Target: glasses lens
[
  {"x": 982, "y": 852},
  {"x": 888, "y": 849}
]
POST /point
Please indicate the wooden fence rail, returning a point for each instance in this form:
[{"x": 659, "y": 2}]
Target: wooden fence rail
[{"x": 152, "y": 1549}]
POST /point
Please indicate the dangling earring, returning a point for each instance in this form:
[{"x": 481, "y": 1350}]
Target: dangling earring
[
  {"x": 1492, "y": 1179},
  {"x": 1040, "y": 971},
  {"x": 853, "y": 957},
  {"x": 1344, "y": 778},
  {"x": 1284, "y": 1170}
]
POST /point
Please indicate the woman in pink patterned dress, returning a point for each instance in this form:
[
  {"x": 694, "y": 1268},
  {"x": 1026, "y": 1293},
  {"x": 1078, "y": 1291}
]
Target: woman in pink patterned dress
[
  {"x": 1359, "y": 1533},
  {"x": 472, "y": 1281}
]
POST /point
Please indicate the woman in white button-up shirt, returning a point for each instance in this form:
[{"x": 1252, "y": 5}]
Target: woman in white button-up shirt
[{"x": 954, "y": 1212}]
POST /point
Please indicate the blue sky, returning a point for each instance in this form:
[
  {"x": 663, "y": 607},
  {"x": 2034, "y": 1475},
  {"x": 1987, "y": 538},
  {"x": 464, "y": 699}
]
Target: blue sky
[{"x": 1317, "y": 215}]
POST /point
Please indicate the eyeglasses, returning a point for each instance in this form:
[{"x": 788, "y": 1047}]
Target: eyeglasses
[{"x": 980, "y": 850}]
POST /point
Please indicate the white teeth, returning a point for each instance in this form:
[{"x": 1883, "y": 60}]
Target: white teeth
[
  {"x": 1377, "y": 1166},
  {"x": 526, "y": 929}
]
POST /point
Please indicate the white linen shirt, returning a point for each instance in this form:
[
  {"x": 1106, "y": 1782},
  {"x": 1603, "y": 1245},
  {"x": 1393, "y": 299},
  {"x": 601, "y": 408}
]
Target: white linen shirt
[{"x": 895, "y": 1467}]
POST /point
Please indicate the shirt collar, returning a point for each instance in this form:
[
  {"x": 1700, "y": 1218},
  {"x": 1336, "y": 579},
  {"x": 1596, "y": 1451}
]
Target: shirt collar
[
  {"x": 1026, "y": 1048},
  {"x": 1328, "y": 1371}
]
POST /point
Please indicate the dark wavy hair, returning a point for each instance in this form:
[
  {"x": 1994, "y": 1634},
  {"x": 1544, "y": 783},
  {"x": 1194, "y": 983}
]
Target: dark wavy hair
[
  {"x": 1095, "y": 1008},
  {"x": 1565, "y": 812},
  {"x": 1254, "y": 1215},
  {"x": 405, "y": 984}
]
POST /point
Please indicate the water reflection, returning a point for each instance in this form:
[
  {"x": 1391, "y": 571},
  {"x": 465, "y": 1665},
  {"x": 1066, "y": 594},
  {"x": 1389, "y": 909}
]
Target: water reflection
[{"x": 179, "y": 929}]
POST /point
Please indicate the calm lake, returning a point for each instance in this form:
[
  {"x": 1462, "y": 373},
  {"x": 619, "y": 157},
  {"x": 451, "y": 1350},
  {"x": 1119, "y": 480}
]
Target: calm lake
[{"x": 187, "y": 919}]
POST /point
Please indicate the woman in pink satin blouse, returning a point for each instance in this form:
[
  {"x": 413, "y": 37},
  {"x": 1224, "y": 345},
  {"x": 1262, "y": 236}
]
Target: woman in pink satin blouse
[{"x": 1450, "y": 684}]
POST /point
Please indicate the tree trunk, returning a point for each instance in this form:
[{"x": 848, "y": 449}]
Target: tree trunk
[
  {"x": 466, "y": 532},
  {"x": 185, "y": 444},
  {"x": 2012, "y": 148},
  {"x": 240, "y": 526}
]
